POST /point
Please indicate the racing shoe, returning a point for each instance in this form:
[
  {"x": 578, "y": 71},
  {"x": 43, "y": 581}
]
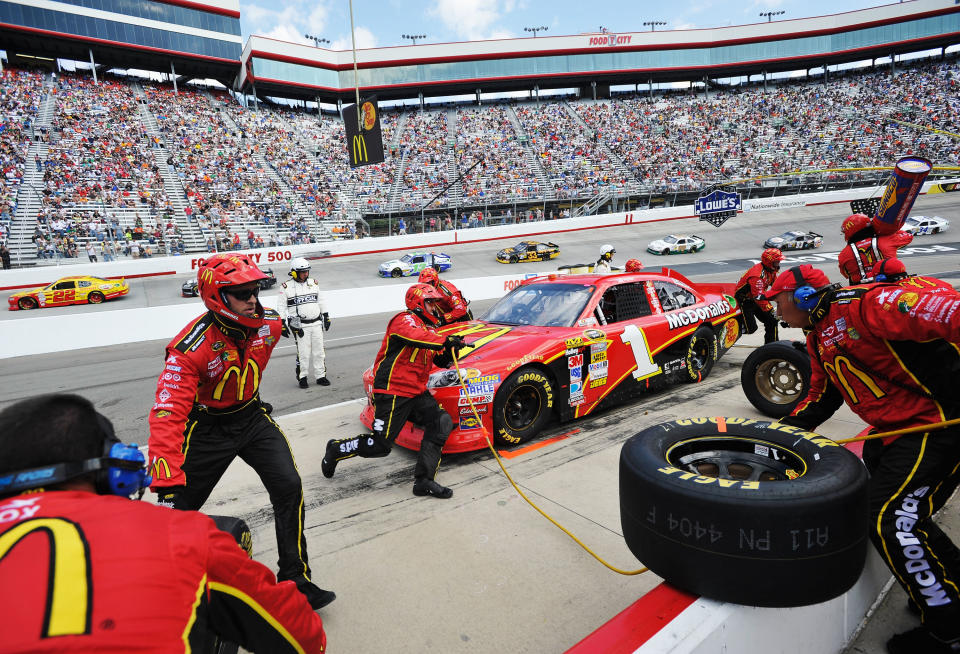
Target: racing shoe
[
  {"x": 316, "y": 596},
  {"x": 921, "y": 641},
  {"x": 329, "y": 463},
  {"x": 426, "y": 486},
  {"x": 323, "y": 381},
  {"x": 304, "y": 383}
]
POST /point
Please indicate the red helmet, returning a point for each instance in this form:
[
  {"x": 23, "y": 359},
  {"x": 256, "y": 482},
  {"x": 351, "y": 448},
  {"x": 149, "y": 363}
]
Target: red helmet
[
  {"x": 634, "y": 265},
  {"x": 221, "y": 271},
  {"x": 771, "y": 258},
  {"x": 889, "y": 270},
  {"x": 429, "y": 276},
  {"x": 417, "y": 295},
  {"x": 854, "y": 224}
]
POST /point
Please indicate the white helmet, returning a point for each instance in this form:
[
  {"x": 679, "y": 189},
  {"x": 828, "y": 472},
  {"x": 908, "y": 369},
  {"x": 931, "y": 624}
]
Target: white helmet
[
  {"x": 607, "y": 249},
  {"x": 299, "y": 264}
]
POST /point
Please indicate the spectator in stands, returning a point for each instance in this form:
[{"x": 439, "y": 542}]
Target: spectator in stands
[
  {"x": 5, "y": 256},
  {"x": 91, "y": 251}
]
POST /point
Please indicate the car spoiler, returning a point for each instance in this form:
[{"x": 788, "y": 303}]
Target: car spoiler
[
  {"x": 700, "y": 237},
  {"x": 815, "y": 234}
]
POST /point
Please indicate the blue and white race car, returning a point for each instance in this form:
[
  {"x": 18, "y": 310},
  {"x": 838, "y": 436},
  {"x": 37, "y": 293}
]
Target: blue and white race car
[
  {"x": 413, "y": 263},
  {"x": 918, "y": 225}
]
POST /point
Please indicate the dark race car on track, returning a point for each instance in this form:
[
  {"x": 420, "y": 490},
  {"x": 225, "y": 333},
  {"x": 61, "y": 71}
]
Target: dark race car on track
[
  {"x": 529, "y": 251},
  {"x": 794, "y": 240},
  {"x": 189, "y": 287},
  {"x": 562, "y": 345}
]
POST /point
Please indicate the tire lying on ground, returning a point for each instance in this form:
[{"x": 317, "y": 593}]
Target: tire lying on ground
[
  {"x": 745, "y": 511},
  {"x": 776, "y": 376}
]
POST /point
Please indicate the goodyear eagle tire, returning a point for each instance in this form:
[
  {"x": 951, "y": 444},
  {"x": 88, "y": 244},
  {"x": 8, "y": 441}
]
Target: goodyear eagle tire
[
  {"x": 736, "y": 510},
  {"x": 523, "y": 406},
  {"x": 776, "y": 376},
  {"x": 27, "y": 303},
  {"x": 702, "y": 351},
  {"x": 95, "y": 297}
]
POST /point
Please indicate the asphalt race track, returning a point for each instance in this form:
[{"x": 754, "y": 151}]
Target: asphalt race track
[{"x": 121, "y": 380}]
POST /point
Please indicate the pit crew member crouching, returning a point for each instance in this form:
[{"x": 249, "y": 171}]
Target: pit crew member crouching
[
  {"x": 94, "y": 571},
  {"x": 208, "y": 410},
  {"x": 749, "y": 294},
  {"x": 893, "y": 356},
  {"x": 410, "y": 349},
  {"x": 453, "y": 306}
]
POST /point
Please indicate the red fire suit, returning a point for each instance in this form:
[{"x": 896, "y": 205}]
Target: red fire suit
[
  {"x": 453, "y": 305},
  {"x": 400, "y": 374},
  {"x": 893, "y": 355},
  {"x": 749, "y": 291},
  {"x": 208, "y": 412},
  {"x": 135, "y": 577},
  {"x": 857, "y": 259}
]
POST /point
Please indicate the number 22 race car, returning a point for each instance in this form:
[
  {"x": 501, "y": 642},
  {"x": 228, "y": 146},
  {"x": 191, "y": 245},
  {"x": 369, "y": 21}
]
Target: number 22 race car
[
  {"x": 560, "y": 346},
  {"x": 69, "y": 290}
]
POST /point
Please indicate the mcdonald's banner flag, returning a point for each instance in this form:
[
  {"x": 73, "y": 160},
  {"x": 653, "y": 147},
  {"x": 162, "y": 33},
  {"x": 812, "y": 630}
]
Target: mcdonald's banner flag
[{"x": 364, "y": 141}]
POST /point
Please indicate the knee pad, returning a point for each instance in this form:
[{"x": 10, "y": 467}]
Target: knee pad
[{"x": 439, "y": 428}]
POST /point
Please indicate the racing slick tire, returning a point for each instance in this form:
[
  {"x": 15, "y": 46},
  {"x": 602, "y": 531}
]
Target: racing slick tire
[
  {"x": 95, "y": 297},
  {"x": 396, "y": 272},
  {"x": 665, "y": 251},
  {"x": 27, "y": 303},
  {"x": 523, "y": 406},
  {"x": 776, "y": 377},
  {"x": 701, "y": 354},
  {"x": 514, "y": 258},
  {"x": 745, "y": 511}
]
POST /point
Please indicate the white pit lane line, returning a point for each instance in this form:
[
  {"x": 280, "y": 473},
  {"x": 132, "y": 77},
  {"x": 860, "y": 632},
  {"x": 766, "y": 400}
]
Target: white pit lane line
[{"x": 333, "y": 340}]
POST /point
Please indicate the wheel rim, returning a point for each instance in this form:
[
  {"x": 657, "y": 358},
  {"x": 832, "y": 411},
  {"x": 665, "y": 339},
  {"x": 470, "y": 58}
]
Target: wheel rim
[
  {"x": 665, "y": 252},
  {"x": 95, "y": 298},
  {"x": 521, "y": 408},
  {"x": 736, "y": 458},
  {"x": 27, "y": 303},
  {"x": 395, "y": 273},
  {"x": 778, "y": 381},
  {"x": 700, "y": 349}
]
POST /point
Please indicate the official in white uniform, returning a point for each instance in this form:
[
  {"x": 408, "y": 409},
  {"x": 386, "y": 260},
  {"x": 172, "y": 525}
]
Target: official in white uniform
[
  {"x": 606, "y": 257},
  {"x": 304, "y": 312}
]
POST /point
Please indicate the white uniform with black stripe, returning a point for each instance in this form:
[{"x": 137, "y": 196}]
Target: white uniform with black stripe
[{"x": 305, "y": 300}]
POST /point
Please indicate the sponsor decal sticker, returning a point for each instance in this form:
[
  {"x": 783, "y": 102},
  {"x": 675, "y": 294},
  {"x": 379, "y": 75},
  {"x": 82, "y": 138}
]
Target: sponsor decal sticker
[
  {"x": 264, "y": 330},
  {"x": 677, "y": 319},
  {"x": 597, "y": 357},
  {"x": 576, "y": 373},
  {"x": 162, "y": 414},
  {"x": 174, "y": 368},
  {"x": 481, "y": 410},
  {"x": 484, "y": 399},
  {"x": 576, "y": 361},
  {"x": 731, "y": 332},
  {"x": 469, "y": 422},
  {"x": 594, "y": 383},
  {"x": 217, "y": 346},
  {"x": 163, "y": 395}
]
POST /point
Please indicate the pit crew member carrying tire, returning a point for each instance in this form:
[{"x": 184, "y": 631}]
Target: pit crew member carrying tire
[
  {"x": 603, "y": 264},
  {"x": 208, "y": 410},
  {"x": 750, "y": 290},
  {"x": 112, "y": 553},
  {"x": 865, "y": 248},
  {"x": 453, "y": 306},
  {"x": 410, "y": 348},
  {"x": 303, "y": 311},
  {"x": 893, "y": 357}
]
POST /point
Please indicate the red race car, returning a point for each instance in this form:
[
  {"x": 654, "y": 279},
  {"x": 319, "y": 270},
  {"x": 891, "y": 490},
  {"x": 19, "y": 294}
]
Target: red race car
[{"x": 562, "y": 345}]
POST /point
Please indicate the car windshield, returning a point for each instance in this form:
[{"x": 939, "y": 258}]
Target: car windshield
[
  {"x": 670, "y": 239},
  {"x": 520, "y": 247},
  {"x": 405, "y": 258},
  {"x": 913, "y": 221},
  {"x": 544, "y": 305}
]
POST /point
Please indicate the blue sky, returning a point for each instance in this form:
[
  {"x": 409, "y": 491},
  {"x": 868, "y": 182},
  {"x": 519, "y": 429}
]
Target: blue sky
[{"x": 382, "y": 22}]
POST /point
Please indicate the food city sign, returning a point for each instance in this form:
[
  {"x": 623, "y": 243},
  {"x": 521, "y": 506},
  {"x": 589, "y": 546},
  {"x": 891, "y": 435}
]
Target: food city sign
[{"x": 610, "y": 40}]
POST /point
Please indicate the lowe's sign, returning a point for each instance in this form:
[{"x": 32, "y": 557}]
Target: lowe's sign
[{"x": 717, "y": 207}]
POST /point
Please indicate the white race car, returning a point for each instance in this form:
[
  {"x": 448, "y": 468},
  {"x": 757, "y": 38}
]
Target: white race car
[
  {"x": 677, "y": 244},
  {"x": 918, "y": 225}
]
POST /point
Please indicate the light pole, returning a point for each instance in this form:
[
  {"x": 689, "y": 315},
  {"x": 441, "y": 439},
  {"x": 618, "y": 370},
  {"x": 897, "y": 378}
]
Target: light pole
[
  {"x": 653, "y": 24},
  {"x": 771, "y": 14},
  {"x": 413, "y": 37},
  {"x": 316, "y": 39},
  {"x": 542, "y": 28}
]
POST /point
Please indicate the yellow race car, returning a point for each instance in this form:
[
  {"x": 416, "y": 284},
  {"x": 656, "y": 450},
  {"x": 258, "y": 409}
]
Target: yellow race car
[
  {"x": 69, "y": 290},
  {"x": 529, "y": 251}
]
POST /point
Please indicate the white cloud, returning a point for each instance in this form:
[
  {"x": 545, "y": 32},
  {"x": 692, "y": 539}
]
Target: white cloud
[
  {"x": 472, "y": 19},
  {"x": 288, "y": 21},
  {"x": 365, "y": 39}
]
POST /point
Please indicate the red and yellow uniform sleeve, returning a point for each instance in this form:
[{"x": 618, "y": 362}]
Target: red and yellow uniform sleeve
[
  {"x": 412, "y": 331},
  {"x": 822, "y": 400},
  {"x": 247, "y": 605},
  {"x": 889, "y": 244},
  {"x": 897, "y": 314},
  {"x": 173, "y": 401},
  {"x": 454, "y": 306}
]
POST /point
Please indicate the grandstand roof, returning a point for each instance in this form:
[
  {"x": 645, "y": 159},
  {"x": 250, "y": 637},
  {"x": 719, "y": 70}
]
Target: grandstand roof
[{"x": 293, "y": 70}]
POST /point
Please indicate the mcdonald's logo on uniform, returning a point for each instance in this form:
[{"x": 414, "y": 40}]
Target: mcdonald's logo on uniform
[{"x": 364, "y": 138}]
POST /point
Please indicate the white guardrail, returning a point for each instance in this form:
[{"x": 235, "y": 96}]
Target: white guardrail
[{"x": 102, "y": 326}]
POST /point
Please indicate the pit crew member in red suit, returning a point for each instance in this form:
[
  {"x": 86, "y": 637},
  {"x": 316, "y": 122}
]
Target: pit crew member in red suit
[
  {"x": 453, "y": 306},
  {"x": 633, "y": 265},
  {"x": 893, "y": 356},
  {"x": 410, "y": 348},
  {"x": 127, "y": 576},
  {"x": 864, "y": 248},
  {"x": 750, "y": 290},
  {"x": 892, "y": 271},
  {"x": 208, "y": 410}
]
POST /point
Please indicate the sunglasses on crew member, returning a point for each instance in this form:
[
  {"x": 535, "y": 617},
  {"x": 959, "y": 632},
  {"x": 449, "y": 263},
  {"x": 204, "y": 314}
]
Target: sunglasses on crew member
[{"x": 243, "y": 294}]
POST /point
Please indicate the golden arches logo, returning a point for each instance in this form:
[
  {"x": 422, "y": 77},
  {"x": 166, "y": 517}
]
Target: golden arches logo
[
  {"x": 836, "y": 372},
  {"x": 359, "y": 148},
  {"x": 69, "y": 594},
  {"x": 155, "y": 469},
  {"x": 206, "y": 275},
  {"x": 241, "y": 380}
]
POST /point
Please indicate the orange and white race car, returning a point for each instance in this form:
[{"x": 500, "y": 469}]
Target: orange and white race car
[{"x": 69, "y": 290}]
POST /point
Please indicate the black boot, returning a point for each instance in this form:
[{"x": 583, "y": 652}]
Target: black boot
[
  {"x": 304, "y": 383},
  {"x": 424, "y": 486},
  {"x": 329, "y": 463},
  {"x": 323, "y": 381},
  {"x": 920, "y": 641},
  {"x": 317, "y": 596}
]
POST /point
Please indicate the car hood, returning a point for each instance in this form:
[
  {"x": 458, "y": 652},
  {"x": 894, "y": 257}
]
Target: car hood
[
  {"x": 509, "y": 251},
  {"x": 30, "y": 292},
  {"x": 501, "y": 349},
  {"x": 775, "y": 239},
  {"x": 393, "y": 263},
  {"x": 660, "y": 243}
]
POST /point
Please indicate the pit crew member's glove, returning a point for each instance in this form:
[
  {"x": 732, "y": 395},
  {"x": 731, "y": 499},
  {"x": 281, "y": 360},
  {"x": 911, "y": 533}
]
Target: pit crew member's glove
[
  {"x": 168, "y": 495},
  {"x": 326, "y": 322},
  {"x": 285, "y": 331}
]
